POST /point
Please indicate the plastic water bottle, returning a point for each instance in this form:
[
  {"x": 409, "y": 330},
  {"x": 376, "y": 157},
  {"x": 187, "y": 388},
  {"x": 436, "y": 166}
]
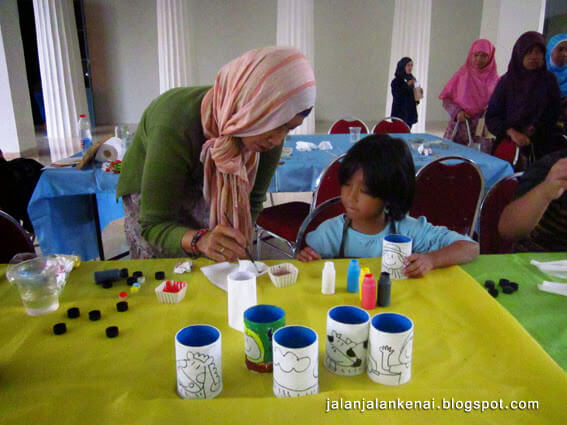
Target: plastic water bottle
[
  {"x": 85, "y": 132},
  {"x": 328, "y": 280}
]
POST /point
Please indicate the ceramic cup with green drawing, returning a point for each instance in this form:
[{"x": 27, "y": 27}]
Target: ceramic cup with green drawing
[{"x": 260, "y": 323}]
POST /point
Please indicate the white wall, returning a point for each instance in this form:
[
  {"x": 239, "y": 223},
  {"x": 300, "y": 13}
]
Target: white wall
[
  {"x": 123, "y": 47},
  {"x": 122, "y": 38},
  {"x": 455, "y": 25},
  {"x": 352, "y": 52},
  {"x": 16, "y": 124},
  {"x": 222, "y": 30},
  {"x": 509, "y": 19}
]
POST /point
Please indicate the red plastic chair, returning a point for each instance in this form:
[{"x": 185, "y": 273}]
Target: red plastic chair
[
  {"x": 448, "y": 193},
  {"x": 341, "y": 126},
  {"x": 15, "y": 239},
  {"x": 508, "y": 151},
  {"x": 391, "y": 125},
  {"x": 283, "y": 221},
  {"x": 500, "y": 195},
  {"x": 328, "y": 209}
]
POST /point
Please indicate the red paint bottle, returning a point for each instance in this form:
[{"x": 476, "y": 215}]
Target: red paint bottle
[{"x": 368, "y": 292}]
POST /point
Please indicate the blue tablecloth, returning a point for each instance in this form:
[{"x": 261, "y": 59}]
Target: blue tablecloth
[
  {"x": 61, "y": 209},
  {"x": 299, "y": 172}
]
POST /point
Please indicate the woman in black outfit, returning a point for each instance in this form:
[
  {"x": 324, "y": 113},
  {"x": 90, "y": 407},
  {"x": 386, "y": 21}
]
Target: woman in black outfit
[
  {"x": 404, "y": 103},
  {"x": 524, "y": 106}
]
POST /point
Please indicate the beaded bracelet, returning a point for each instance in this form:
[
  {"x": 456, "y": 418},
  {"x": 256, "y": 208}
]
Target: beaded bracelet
[{"x": 194, "y": 250}]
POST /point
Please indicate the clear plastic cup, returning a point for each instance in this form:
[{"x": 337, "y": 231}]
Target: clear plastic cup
[
  {"x": 40, "y": 281},
  {"x": 354, "y": 134}
]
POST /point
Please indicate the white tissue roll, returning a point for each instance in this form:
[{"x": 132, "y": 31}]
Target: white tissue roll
[
  {"x": 241, "y": 296},
  {"x": 111, "y": 150}
]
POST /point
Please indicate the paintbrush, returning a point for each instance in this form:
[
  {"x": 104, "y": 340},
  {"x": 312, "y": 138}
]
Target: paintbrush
[{"x": 245, "y": 248}]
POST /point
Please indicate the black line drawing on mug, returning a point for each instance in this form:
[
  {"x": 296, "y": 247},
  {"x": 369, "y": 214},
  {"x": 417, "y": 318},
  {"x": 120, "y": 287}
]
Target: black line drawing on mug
[
  {"x": 387, "y": 367},
  {"x": 343, "y": 352},
  {"x": 202, "y": 376},
  {"x": 393, "y": 260},
  {"x": 290, "y": 362},
  {"x": 284, "y": 391}
]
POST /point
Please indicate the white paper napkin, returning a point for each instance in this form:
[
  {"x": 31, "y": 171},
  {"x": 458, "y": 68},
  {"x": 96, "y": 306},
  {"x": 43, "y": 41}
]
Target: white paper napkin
[
  {"x": 218, "y": 273},
  {"x": 553, "y": 268},
  {"x": 553, "y": 287},
  {"x": 305, "y": 146},
  {"x": 325, "y": 145}
]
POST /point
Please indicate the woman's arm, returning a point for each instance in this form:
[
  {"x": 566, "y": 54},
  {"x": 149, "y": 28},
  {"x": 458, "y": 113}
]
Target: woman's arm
[
  {"x": 400, "y": 88},
  {"x": 496, "y": 111},
  {"x": 452, "y": 109},
  {"x": 521, "y": 216},
  {"x": 167, "y": 167}
]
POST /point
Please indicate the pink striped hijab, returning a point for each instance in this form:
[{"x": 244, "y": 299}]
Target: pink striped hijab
[
  {"x": 470, "y": 87},
  {"x": 255, "y": 93}
]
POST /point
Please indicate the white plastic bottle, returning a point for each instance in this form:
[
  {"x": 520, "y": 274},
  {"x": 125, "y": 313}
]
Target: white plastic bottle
[
  {"x": 329, "y": 277},
  {"x": 85, "y": 132}
]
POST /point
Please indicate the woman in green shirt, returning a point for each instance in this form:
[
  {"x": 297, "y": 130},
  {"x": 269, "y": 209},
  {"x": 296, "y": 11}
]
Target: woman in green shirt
[{"x": 204, "y": 154}]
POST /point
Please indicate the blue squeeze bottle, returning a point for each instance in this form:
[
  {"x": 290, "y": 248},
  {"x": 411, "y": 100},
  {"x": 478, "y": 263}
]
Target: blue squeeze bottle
[{"x": 353, "y": 274}]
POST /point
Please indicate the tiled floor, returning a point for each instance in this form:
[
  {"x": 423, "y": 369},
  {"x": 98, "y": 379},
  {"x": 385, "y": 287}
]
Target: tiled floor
[{"x": 113, "y": 237}]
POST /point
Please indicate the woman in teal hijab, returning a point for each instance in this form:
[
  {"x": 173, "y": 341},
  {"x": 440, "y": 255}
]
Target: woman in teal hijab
[{"x": 556, "y": 58}]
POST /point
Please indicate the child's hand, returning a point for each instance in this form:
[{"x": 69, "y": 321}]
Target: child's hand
[
  {"x": 308, "y": 254},
  {"x": 418, "y": 265}
]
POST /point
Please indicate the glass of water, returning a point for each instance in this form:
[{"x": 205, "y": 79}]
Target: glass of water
[{"x": 40, "y": 281}]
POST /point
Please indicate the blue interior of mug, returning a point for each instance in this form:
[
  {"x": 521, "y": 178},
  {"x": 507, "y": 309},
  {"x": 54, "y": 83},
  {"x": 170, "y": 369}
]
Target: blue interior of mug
[
  {"x": 198, "y": 335},
  {"x": 264, "y": 313},
  {"x": 295, "y": 336},
  {"x": 349, "y": 314},
  {"x": 391, "y": 322},
  {"x": 398, "y": 238}
]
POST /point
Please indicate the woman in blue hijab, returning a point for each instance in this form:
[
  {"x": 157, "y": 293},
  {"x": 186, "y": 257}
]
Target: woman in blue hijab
[{"x": 556, "y": 58}]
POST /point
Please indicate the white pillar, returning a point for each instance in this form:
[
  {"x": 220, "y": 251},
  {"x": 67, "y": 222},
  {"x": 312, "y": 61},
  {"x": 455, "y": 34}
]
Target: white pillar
[
  {"x": 16, "y": 122},
  {"x": 503, "y": 27},
  {"x": 174, "y": 51},
  {"x": 61, "y": 74},
  {"x": 410, "y": 37},
  {"x": 295, "y": 28}
]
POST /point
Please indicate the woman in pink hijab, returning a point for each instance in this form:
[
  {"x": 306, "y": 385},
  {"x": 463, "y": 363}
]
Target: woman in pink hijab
[
  {"x": 196, "y": 173},
  {"x": 466, "y": 95}
]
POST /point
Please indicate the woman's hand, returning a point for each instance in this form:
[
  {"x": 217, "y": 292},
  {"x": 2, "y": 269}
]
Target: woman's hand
[
  {"x": 411, "y": 82},
  {"x": 518, "y": 137},
  {"x": 418, "y": 265},
  {"x": 308, "y": 254},
  {"x": 223, "y": 243},
  {"x": 462, "y": 115}
]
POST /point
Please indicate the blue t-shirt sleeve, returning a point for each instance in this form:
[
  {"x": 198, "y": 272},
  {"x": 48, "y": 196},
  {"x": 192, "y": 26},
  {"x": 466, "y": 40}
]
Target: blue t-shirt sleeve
[
  {"x": 326, "y": 239},
  {"x": 427, "y": 237}
]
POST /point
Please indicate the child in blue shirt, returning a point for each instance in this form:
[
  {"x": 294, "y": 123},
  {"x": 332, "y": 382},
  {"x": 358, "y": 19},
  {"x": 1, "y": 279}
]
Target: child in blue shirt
[{"x": 377, "y": 179}]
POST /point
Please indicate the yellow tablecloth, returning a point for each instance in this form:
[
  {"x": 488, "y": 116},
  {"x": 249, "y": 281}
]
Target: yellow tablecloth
[{"x": 466, "y": 348}]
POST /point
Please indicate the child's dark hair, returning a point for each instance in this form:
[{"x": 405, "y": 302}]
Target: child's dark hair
[{"x": 389, "y": 173}]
